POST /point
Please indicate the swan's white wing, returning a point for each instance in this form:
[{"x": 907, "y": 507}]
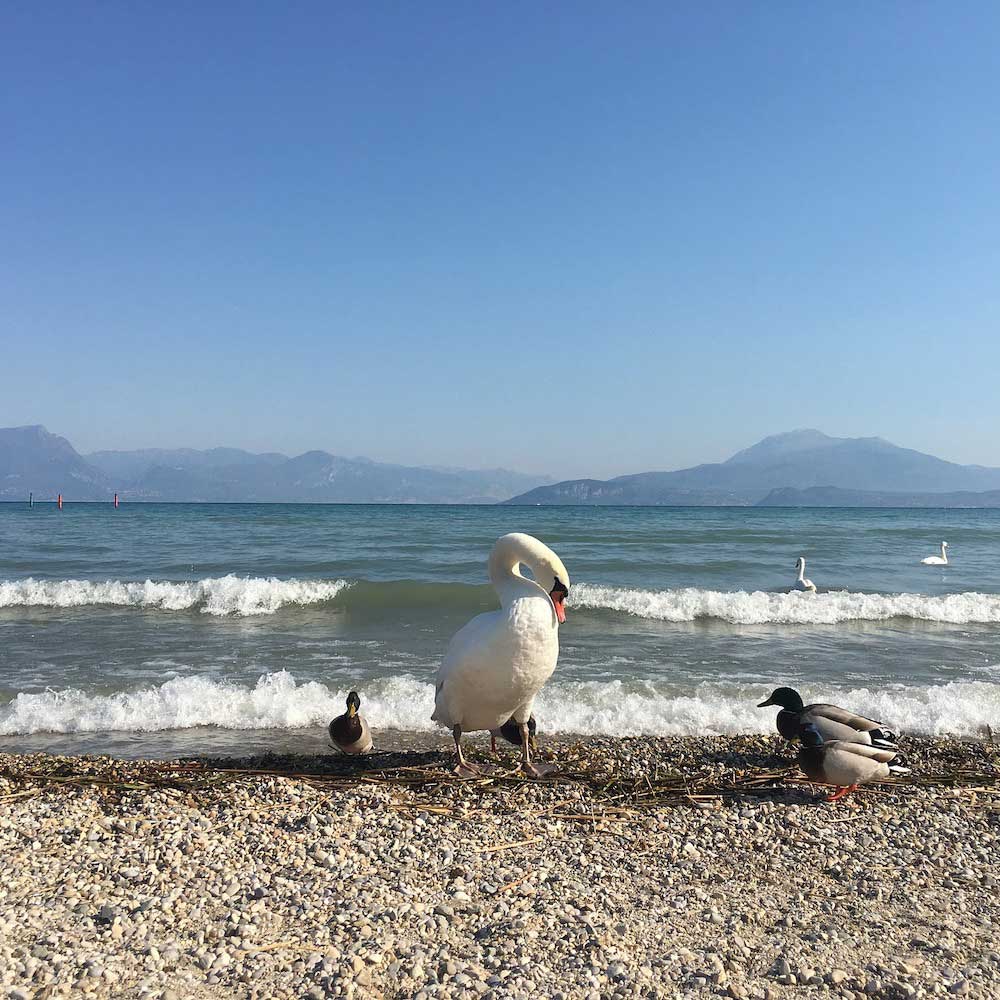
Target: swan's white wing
[
  {"x": 496, "y": 664},
  {"x": 472, "y": 674}
]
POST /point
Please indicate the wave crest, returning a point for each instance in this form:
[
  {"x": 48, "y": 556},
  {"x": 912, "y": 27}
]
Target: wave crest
[
  {"x": 237, "y": 595},
  {"x": 760, "y": 608},
  {"x": 226, "y": 595},
  {"x": 615, "y": 708}
]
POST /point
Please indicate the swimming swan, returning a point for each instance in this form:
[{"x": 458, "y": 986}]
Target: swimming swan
[
  {"x": 497, "y": 663},
  {"x": 941, "y": 560},
  {"x": 802, "y": 583}
]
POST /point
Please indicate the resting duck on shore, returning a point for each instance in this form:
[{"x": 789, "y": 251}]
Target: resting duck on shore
[
  {"x": 833, "y": 723},
  {"x": 497, "y": 663},
  {"x": 844, "y": 764},
  {"x": 511, "y": 732},
  {"x": 802, "y": 584},
  {"x": 941, "y": 560},
  {"x": 350, "y": 731}
]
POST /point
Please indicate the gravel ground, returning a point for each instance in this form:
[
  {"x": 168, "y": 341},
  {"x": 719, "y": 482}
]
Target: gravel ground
[{"x": 384, "y": 878}]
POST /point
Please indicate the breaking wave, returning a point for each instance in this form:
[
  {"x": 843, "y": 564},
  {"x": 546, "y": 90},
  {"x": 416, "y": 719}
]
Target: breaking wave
[
  {"x": 236, "y": 595},
  {"x": 226, "y": 595},
  {"x": 759, "y": 607},
  {"x": 620, "y": 708}
]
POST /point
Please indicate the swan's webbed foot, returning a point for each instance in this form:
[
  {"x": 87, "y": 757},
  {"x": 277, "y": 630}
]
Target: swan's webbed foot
[
  {"x": 463, "y": 769},
  {"x": 531, "y": 770},
  {"x": 537, "y": 770}
]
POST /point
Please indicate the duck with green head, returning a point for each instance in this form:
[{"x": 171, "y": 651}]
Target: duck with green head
[
  {"x": 350, "y": 732},
  {"x": 833, "y": 723}
]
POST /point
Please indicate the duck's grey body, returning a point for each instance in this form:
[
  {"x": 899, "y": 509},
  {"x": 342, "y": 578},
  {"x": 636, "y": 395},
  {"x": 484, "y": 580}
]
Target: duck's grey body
[{"x": 843, "y": 763}]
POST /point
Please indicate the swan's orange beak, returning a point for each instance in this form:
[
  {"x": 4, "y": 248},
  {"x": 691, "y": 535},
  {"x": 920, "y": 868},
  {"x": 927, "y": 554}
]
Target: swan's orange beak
[{"x": 558, "y": 598}]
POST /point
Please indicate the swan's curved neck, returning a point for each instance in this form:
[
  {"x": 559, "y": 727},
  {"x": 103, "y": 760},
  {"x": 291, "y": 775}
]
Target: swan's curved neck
[
  {"x": 944, "y": 552},
  {"x": 506, "y": 559},
  {"x": 802, "y": 569}
]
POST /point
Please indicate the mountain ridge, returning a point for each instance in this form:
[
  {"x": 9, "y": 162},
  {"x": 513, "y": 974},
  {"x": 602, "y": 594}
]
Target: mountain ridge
[
  {"x": 34, "y": 461},
  {"x": 802, "y": 459}
]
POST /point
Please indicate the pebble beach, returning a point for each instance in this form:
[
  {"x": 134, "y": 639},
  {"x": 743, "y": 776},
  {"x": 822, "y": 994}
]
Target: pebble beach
[{"x": 648, "y": 867}]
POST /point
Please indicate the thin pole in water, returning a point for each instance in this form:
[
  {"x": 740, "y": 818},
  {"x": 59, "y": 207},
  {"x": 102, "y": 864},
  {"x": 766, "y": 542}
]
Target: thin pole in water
[
  {"x": 116, "y": 501},
  {"x": 31, "y": 499},
  {"x": 59, "y": 501}
]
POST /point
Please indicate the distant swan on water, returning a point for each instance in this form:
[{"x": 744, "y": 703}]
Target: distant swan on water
[
  {"x": 941, "y": 560},
  {"x": 802, "y": 583}
]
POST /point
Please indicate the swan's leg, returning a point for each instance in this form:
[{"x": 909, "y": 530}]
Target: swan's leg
[
  {"x": 493, "y": 743},
  {"x": 533, "y": 770},
  {"x": 463, "y": 768}
]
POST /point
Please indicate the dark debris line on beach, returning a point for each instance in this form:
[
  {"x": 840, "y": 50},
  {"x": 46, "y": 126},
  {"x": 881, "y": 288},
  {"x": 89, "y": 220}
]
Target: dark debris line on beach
[{"x": 616, "y": 773}]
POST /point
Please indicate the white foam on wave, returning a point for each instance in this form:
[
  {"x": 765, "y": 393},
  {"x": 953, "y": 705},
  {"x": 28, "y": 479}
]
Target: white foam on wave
[
  {"x": 225, "y": 595},
  {"x": 237, "y": 595},
  {"x": 276, "y": 701},
  {"x": 645, "y": 708},
  {"x": 759, "y": 607},
  {"x": 621, "y": 708}
]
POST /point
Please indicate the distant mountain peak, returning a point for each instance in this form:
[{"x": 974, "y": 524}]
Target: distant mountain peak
[
  {"x": 802, "y": 459},
  {"x": 787, "y": 443}
]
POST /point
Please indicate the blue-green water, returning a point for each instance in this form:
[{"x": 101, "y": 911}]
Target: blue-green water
[{"x": 145, "y": 624}]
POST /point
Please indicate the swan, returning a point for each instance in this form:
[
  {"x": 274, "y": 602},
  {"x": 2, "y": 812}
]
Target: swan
[
  {"x": 802, "y": 583},
  {"x": 844, "y": 764},
  {"x": 497, "y": 662},
  {"x": 941, "y": 560},
  {"x": 832, "y": 722},
  {"x": 350, "y": 731}
]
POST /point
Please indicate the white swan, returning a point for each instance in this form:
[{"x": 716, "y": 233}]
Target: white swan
[
  {"x": 941, "y": 560},
  {"x": 802, "y": 583},
  {"x": 497, "y": 663}
]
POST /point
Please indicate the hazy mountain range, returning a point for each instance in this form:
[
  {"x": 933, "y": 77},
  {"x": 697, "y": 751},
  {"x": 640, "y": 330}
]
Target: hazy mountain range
[
  {"x": 33, "y": 460},
  {"x": 806, "y": 467},
  {"x": 800, "y": 468}
]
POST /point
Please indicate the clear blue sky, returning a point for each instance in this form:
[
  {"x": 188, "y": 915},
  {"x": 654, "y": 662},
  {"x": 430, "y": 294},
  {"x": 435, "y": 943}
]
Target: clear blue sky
[{"x": 580, "y": 238}]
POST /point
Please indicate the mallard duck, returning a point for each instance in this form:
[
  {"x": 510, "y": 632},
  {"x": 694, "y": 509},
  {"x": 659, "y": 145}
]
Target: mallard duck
[
  {"x": 497, "y": 663},
  {"x": 832, "y": 722},
  {"x": 350, "y": 731},
  {"x": 511, "y": 732},
  {"x": 802, "y": 584},
  {"x": 844, "y": 764}
]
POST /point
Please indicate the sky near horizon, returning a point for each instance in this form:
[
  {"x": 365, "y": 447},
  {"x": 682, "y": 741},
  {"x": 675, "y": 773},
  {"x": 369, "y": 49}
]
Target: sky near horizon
[{"x": 581, "y": 239}]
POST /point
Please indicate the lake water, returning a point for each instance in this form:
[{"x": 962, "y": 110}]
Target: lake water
[{"x": 163, "y": 628}]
